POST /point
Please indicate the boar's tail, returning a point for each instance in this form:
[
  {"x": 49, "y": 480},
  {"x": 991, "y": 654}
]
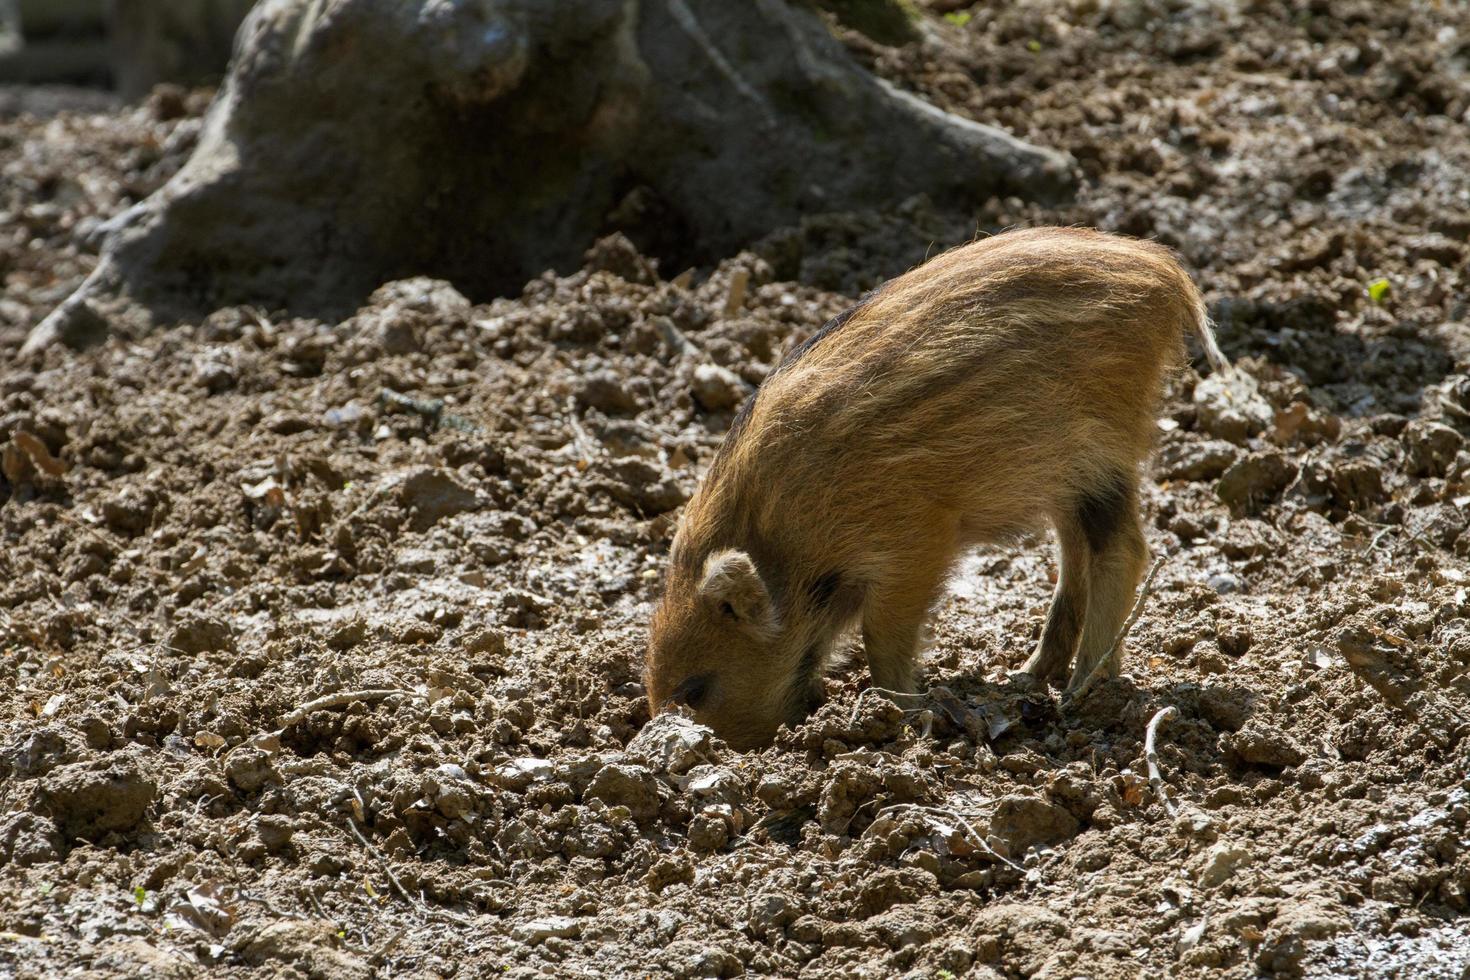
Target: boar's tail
[{"x": 1204, "y": 329}]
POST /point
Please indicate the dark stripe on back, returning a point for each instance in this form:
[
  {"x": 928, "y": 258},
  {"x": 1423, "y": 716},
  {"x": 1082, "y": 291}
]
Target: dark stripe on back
[
  {"x": 829, "y": 328},
  {"x": 742, "y": 417}
]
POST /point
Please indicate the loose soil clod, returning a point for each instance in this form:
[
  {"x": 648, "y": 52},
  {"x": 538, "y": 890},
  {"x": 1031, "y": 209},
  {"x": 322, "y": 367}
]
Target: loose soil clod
[{"x": 245, "y": 539}]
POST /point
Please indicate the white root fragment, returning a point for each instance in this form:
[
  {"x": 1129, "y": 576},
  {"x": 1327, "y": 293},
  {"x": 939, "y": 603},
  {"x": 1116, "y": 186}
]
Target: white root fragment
[
  {"x": 960, "y": 821},
  {"x": 1151, "y": 756},
  {"x": 586, "y": 448},
  {"x": 342, "y": 698}
]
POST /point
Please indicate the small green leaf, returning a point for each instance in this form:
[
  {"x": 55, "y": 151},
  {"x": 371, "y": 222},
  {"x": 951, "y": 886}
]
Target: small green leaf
[
  {"x": 1379, "y": 289},
  {"x": 1033, "y": 45},
  {"x": 139, "y": 895},
  {"x": 959, "y": 18}
]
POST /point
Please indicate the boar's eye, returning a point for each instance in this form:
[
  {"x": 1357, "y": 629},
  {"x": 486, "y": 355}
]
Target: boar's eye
[{"x": 693, "y": 691}]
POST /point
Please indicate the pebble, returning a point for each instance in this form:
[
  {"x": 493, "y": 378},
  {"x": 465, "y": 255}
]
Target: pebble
[
  {"x": 718, "y": 389},
  {"x": 1220, "y": 862},
  {"x": 551, "y": 926}
]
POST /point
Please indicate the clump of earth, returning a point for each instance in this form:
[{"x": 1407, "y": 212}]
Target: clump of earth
[{"x": 321, "y": 642}]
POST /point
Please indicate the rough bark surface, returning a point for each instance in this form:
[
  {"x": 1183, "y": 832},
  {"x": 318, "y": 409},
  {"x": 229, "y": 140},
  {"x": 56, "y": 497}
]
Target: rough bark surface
[{"x": 484, "y": 142}]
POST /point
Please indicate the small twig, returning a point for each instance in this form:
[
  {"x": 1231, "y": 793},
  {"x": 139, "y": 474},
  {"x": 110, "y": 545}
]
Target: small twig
[
  {"x": 403, "y": 893},
  {"x": 1396, "y": 527},
  {"x": 430, "y": 409},
  {"x": 341, "y": 698},
  {"x": 1144, "y": 591},
  {"x": 88, "y": 529},
  {"x": 1377, "y": 538},
  {"x": 1151, "y": 756},
  {"x": 858, "y": 702},
  {"x": 316, "y": 905},
  {"x": 584, "y": 443},
  {"x": 939, "y": 811},
  {"x": 386, "y": 946}
]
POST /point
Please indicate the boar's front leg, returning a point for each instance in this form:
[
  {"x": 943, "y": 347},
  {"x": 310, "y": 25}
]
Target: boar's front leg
[{"x": 893, "y": 621}]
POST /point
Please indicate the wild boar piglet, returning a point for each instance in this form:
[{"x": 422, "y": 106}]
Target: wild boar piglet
[{"x": 1006, "y": 383}]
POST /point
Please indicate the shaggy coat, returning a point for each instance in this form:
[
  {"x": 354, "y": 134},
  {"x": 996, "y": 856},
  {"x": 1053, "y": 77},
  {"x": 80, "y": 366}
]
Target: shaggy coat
[{"x": 1006, "y": 383}]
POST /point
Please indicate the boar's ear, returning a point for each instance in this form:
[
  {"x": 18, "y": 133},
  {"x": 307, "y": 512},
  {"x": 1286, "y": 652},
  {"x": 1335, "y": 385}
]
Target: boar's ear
[{"x": 732, "y": 583}]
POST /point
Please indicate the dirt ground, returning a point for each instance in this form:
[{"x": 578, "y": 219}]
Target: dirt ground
[{"x": 320, "y": 643}]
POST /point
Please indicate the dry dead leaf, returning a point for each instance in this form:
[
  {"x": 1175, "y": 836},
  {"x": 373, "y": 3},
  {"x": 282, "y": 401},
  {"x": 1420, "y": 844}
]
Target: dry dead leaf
[
  {"x": 1134, "y": 786},
  {"x": 208, "y": 908}
]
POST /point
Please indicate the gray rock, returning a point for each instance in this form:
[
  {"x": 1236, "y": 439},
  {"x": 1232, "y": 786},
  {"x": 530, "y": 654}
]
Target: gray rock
[
  {"x": 619, "y": 784},
  {"x": 718, "y": 389},
  {"x": 432, "y": 494},
  {"x": 1220, "y": 862},
  {"x": 1195, "y": 460},
  {"x": 547, "y": 927},
  {"x": 1230, "y": 406},
  {"x": 1256, "y": 480},
  {"x": 1225, "y": 583},
  {"x": 712, "y": 784},
  {"x": 518, "y": 774},
  {"x": 673, "y": 743},
  {"x": 89, "y": 799},
  {"x": 1021, "y": 822},
  {"x": 1431, "y": 447}
]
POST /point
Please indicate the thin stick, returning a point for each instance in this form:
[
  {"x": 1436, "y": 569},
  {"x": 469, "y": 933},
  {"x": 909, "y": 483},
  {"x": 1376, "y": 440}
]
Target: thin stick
[
  {"x": 939, "y": 811},
  {"x": 1155, "y": 778},
  {"x": 584, "y": 443},
  {"x": 88, "y": 529},
  {"x": 1143, "y": 593},
  {"x": 858, "y": 702},
  {"x": 342, "y": 698},
  {"x": 403, "y": 893}
]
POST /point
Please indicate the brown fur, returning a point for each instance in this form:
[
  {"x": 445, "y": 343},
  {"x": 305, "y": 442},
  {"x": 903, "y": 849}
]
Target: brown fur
[{"x": 1006, "y": 382}]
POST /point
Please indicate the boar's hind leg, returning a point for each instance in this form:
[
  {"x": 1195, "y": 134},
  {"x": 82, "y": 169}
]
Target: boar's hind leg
[
  {"x": 1053, "y": 656},
  {"x": 1118, "y": 552}
]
